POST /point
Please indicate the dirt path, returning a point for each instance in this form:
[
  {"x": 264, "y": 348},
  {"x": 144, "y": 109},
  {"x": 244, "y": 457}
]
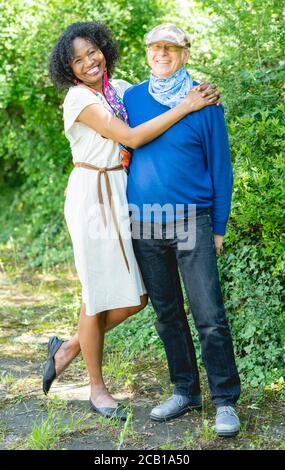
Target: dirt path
[{"x": 32, "y": 308}]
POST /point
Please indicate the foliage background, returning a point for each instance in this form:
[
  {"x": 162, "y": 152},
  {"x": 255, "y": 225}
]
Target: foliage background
[{"x": 239, "y": 45}]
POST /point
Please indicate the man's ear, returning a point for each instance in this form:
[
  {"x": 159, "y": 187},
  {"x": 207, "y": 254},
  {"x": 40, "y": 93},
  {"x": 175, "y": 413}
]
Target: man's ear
[{"x": 186, "y": 56}]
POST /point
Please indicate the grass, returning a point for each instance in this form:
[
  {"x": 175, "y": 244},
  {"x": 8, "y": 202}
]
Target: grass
[
  {"x": 25, "y": 386},
  {"x": 6, "y": 378},
  {"x": 52, "y": 429},
  {"x": 127, "y": 429},
  {"x": 188, "y": 440},
  {"x": 207, "y": 433},
  {"x": 168, "y": 446},
  {"x": 42, "y": 303},
  {"x": 45, "y": 436},
  {"x": 117, "y": 368},
  {"x": 3, "y": 431},
  {"x": 54, "y": 404}
]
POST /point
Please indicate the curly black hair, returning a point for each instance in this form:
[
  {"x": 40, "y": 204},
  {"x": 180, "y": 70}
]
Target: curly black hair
[{"x": 98, "y": 34}]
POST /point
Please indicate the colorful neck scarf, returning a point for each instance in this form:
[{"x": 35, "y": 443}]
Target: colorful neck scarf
[
  {"x": 114, "y": 100},
  {"x": 118, "y": 109},
  {"x": 172, "y": 90}
]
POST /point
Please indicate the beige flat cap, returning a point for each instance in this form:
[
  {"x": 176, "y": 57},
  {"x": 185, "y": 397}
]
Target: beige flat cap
[{"x": 168, "y": 32}]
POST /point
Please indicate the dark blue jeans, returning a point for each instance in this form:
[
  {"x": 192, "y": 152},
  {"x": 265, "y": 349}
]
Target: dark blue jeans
[{"x": 160, "y": 261}]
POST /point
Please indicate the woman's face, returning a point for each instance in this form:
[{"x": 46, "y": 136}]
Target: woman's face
[{"x": 88, "y": 63}]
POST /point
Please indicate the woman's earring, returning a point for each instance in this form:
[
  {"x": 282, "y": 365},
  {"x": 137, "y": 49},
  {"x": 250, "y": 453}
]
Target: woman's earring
[{"x": 105, "y": 79}]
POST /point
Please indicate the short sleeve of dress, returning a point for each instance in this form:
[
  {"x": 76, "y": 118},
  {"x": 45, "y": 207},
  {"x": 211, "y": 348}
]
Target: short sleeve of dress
[
  {"x": 76, "y": 100},
  {"x": 121, "y": 86}
]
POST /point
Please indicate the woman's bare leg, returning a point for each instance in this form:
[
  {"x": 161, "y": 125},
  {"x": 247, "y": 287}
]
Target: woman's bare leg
[
  {"x": 71, "y": 348},
  {"x": 91, "y": 331},
  {"x": 118, "y": 315}
]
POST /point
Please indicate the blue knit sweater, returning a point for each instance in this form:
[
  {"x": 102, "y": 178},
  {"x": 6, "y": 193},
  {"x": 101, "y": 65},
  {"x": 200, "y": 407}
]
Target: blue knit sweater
[{"x": 188, "y": 164}]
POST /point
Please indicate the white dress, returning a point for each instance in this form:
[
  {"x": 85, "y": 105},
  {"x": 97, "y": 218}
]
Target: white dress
[{"x": 106, "y": 281}]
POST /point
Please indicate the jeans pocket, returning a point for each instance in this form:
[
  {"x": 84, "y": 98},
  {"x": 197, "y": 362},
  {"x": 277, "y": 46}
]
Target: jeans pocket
[{"x": 204, "y": 235}]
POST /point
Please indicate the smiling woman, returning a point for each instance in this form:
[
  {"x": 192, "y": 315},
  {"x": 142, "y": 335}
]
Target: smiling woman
[
  {"x": 95, "y": 120},
  {"x": 65, "y": 53},
  {"x": 87, "y": 62}
]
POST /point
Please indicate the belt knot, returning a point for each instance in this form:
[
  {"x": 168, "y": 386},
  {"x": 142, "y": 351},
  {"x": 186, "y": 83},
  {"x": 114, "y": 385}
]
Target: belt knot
[{"x": 102, "y": 169}]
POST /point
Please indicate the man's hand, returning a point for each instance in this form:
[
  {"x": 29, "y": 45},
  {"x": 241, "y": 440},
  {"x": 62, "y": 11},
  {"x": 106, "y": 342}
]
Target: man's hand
[{"x": 218, "y": 243}]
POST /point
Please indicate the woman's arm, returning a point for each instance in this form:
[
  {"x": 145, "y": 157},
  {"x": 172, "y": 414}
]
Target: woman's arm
[{"x": 102, "y": 121}]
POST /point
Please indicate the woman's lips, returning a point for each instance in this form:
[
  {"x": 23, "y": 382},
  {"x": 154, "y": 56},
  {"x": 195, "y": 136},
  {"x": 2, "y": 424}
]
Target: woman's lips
[{"x": 93, "y": 71}]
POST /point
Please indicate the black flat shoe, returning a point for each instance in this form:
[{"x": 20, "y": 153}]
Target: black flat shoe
[
  {"x": 49, "y": 372},
  {"x": 116, "y": 413}
]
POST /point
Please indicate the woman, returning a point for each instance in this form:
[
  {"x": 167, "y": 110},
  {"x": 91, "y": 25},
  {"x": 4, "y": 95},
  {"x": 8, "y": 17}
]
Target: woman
[{"x": 95, "y": 120}]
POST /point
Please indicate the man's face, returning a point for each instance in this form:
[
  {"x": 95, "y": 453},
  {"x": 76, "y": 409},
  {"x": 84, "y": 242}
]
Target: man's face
[{"x": 165, "y": 58}]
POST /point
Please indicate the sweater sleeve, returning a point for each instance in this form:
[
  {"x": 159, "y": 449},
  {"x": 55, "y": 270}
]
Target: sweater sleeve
[{"x": 217, "y": 153}]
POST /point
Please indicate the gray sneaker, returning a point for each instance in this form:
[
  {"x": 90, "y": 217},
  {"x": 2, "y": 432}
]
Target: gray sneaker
[
  {"x": 175, "y": 406},
  {"x": 227, "y": 421}
]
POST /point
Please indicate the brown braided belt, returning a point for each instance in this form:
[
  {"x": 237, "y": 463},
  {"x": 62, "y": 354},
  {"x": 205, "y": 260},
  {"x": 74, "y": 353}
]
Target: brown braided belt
[{"x": 104, "y": 171}]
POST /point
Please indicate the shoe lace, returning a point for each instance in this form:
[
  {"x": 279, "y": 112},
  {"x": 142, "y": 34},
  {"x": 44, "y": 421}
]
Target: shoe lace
[
  {"x": 177, "y": 398},
  {"x": 227, "y": 410}
]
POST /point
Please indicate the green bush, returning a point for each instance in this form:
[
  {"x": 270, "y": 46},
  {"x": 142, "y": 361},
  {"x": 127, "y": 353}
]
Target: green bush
[
  {"x": 252, "y": 300},
  {"x": 257, "y": 216}
]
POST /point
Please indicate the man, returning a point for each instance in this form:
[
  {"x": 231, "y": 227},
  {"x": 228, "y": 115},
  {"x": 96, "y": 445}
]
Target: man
[{"x": 188, "y": 165}]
